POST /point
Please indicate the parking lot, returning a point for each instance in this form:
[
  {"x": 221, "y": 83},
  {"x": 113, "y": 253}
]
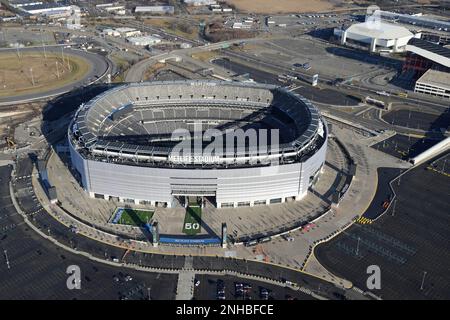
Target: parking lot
[
  {"x": 210, "y": 288},
  {"x": 410, "y": 243},
  {"x": 33, "y": 268},
  {"x": 418, "y": 120},
  {"x": 404, "y": 147}
]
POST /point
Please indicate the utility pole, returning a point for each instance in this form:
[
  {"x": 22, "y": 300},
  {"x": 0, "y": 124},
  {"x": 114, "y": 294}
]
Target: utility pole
[
  {"x": 57, "y": 70},
  {"x": 149, "y": 290},
  {"x": 32, "y": 78},
  {"x": 393, "y": 207}
]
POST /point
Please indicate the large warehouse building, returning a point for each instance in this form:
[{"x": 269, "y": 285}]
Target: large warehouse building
[
  {"x": 122, "y": 144},
  {"x": 376, "y": 37},
  {"x": 429, "y": 64}
]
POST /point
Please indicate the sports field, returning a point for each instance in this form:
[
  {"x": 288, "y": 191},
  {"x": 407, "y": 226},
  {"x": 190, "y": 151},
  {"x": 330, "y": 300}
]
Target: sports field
[
  {"x": 192, "y": 221},
  {"x": 31, "y": 72},
  {"x": 134, "y": 217}
]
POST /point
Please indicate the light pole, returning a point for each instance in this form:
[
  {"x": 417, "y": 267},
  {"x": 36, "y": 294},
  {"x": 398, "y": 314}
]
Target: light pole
[
  {"x": 357, "y": 246},
  {"x": 393, "y": 207},
  {"x": 423, "y": 280},
  {"x": 7, "y": 260}
]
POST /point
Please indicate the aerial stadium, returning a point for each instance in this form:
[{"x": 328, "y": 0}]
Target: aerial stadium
[{"x": 125, "y": 144}]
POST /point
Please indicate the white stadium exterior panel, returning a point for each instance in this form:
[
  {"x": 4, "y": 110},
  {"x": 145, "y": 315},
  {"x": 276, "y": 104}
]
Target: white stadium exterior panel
[{"x": 146, "y": 173}]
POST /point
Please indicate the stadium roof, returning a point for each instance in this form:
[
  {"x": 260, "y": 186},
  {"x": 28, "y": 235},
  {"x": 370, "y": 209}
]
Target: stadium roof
[
  {"x": 429, "y": 46},
  {"x": 380, "y": 30},
  {"x": 414, "y": 19},
  {"x": 97, "y": 126},
  {"x": 431, "y": 51}
]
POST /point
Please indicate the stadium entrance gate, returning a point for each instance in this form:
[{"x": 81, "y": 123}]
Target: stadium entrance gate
[{"x": 202, "y": 198}]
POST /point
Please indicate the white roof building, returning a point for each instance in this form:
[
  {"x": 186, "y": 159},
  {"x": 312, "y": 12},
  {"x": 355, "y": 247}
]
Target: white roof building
[
  {"x": 144, "y": 41},
  {"x": 128, "y": 32},
  {"x": 111, "y": 32},
  {"x": 24, "y": 3},
  {"x": 377, "y": 36},
  {"x": 200, "y": 2},
  {"x": 46, "y": 8},
  {"x": 155, "y": 9}
]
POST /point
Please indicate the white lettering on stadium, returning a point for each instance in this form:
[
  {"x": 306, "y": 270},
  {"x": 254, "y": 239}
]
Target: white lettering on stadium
[{"x": 193, "y": 159}]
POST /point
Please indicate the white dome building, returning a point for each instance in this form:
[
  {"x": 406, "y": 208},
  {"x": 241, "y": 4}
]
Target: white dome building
[{"x": 377, "y": 36}]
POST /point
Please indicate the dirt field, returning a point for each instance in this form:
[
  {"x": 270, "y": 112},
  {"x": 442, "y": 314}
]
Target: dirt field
[
  {"x": 282, "y": 6},
  {"x": 172, "y": 25},
  {"x": 32, "y": 72},
  {"x": 204, "y": 55}
]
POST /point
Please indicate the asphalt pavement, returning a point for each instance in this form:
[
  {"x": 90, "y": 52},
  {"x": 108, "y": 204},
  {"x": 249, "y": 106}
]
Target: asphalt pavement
[{"x": 34, "y": 268}]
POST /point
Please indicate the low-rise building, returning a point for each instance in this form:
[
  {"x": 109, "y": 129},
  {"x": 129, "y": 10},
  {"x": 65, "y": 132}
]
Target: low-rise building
[
  {"x": 200, "y": 2},
  {"x": 434, "y": 82},
  {"x": 24, "y": 3},
  {"x": 144, "y": 41},
  {"x": 128, "y": 32},
  {"x": 155, "y": 9},
  {"x": 110, "y": 32},
  {"x": 45, "y": 8}
]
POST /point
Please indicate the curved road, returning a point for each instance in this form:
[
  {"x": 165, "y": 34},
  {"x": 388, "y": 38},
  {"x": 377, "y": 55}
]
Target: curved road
[{"x": 137, "y": 71}]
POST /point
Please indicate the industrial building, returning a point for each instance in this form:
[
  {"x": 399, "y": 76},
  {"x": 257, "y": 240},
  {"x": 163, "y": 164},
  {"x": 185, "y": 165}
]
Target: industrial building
[
  {"x": 144, "y": 41},
  {"x": 197, "y": 3},
  {"x": 423, "y": 55},
  {"x": 128, "y": 32},
  {"x": 46, "y": 8},
  {"x": 155, "y": 9},
  {"x": 24, "y": 3},
  {"x": 375, "y": 36},
  {"x": 429, "y": 64},
  {"x": 125, "y": 143}
]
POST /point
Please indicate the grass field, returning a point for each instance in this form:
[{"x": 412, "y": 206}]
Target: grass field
[
  {"x": 135, "y": 217},
  {"x": 192, "y": 221},
  {"x": 33, "y": 72}
]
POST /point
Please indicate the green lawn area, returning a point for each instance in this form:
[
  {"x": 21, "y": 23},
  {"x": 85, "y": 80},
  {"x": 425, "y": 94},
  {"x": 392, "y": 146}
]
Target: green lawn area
[
  {"x": 192, "y": 220},
  {"x": 135, "y": 217}
]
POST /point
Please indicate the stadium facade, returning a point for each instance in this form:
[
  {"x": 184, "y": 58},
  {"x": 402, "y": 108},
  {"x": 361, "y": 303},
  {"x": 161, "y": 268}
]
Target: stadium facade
[{"x": 122, "y": 143}]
